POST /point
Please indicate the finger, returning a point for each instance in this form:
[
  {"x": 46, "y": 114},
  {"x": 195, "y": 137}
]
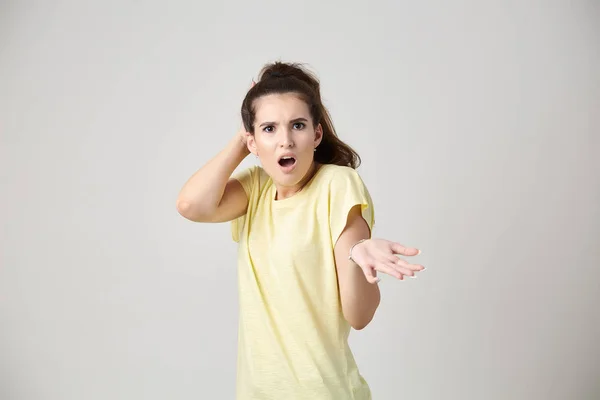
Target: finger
[
  {"x": 397, "y": 248},
  {"x": 370, "y": 275},
  {"x": 390, "y": 269},
  {"x": 406, "y": 271},
  {"x": 412, "y": 267},
  {"x": 399, "y": 265}
]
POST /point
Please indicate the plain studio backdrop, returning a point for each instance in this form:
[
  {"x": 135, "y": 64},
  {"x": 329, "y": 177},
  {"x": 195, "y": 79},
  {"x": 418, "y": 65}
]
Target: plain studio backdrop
[{"x": 478, "y": 124}]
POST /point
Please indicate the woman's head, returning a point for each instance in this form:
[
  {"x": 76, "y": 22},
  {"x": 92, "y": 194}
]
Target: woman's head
[{"x": 286, "y": 117}]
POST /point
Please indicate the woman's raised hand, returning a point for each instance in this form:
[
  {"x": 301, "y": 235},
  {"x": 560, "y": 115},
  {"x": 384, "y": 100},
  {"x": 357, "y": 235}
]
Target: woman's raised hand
[{"x": 381, "y": 255}]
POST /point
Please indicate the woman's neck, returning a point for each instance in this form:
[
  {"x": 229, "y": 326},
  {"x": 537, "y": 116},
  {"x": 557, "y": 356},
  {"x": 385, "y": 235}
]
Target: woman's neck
[{"x": 284, "y": 192}]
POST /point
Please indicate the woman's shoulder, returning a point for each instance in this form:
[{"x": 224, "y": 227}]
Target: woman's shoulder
[
  {"x": 338, "y": 179},
  {"x": 253, "y": 178},
  {"x": 332, "y": 173},
  {"x": 256, "y": 172}
]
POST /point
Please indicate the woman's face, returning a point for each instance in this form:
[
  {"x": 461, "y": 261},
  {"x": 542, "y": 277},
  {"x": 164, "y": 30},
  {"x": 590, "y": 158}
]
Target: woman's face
[{"x": 284, "y": 139}]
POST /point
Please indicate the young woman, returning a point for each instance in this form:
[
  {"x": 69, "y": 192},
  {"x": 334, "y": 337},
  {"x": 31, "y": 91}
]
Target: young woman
[{"x": 307, "y": 265}]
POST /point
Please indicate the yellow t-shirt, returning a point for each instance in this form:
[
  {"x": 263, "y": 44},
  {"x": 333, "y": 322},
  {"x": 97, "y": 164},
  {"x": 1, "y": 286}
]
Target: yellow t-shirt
[{"x": 293, "y": 338}]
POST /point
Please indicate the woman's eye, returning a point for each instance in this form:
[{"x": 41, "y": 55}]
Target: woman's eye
[
  {"x": 299, "y": 125},
  {"x": 268, "y": 129}
]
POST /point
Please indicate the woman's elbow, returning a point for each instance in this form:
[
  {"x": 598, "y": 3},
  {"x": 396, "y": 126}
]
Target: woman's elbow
[
  {"x": 360, "y": 321},
  {"x": 184, "y": 208},
  {"x": 359, "y": 324},
  {"x": 359, "y": 327},
  {"x": 189, "y": 211}
]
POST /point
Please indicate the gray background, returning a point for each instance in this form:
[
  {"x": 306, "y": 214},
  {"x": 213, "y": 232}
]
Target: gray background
[{"x": 478, "y": 123}]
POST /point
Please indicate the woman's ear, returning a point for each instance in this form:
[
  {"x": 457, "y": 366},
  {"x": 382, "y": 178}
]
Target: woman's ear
[
  {"x": 318, "y": 135},
  {"x": 251, "y": 144}
]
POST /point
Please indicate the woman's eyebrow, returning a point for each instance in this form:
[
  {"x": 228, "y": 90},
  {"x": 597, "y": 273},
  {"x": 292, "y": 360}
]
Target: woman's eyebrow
[{"x": 299, "y": 119}]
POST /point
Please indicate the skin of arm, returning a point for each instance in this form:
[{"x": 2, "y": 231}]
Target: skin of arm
[
  {"x": 359, "y": 297},
  {"x": 211, "y": 195}
]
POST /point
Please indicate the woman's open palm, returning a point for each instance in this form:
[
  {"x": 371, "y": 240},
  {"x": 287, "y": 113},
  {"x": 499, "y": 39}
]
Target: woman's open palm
[{"x": 381, "y": 255}]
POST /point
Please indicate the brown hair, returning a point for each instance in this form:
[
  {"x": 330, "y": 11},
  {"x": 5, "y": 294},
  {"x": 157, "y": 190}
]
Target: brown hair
[{"x": 279, "y": 78}]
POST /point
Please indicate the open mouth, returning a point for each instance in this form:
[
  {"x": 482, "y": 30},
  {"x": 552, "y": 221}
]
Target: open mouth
[{"x": 287, "y": 161}]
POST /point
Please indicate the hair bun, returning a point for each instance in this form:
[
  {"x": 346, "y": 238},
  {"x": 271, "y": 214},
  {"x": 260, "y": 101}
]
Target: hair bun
[
  {"x": 283, "y": 70},
  {"x": 277, "y": 74}
]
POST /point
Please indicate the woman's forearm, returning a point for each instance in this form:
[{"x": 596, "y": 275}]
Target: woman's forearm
[
  {"x": 204, "y": 190},
  {"x": 359, "y": 297}
]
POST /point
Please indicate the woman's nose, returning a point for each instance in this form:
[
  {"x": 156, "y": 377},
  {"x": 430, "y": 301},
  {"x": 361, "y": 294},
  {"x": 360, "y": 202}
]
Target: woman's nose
[{"x": 287, "y": 140}]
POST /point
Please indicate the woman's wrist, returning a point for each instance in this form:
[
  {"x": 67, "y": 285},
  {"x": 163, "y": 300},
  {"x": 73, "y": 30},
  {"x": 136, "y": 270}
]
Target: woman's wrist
[
  {"x": 240, "y": 140},
  {"x": 352, "y": 249}
]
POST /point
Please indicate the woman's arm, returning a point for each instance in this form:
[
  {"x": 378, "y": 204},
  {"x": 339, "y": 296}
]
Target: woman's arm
[
  {"x": 211, "y": 195},
  {"x": 359, "y": 291},
  {"x": 359, "y": 297}
]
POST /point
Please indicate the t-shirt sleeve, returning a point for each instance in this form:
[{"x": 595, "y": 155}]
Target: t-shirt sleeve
[
  {"x": 347, "y": 190},
  {"x": 247, "y": 178}
]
